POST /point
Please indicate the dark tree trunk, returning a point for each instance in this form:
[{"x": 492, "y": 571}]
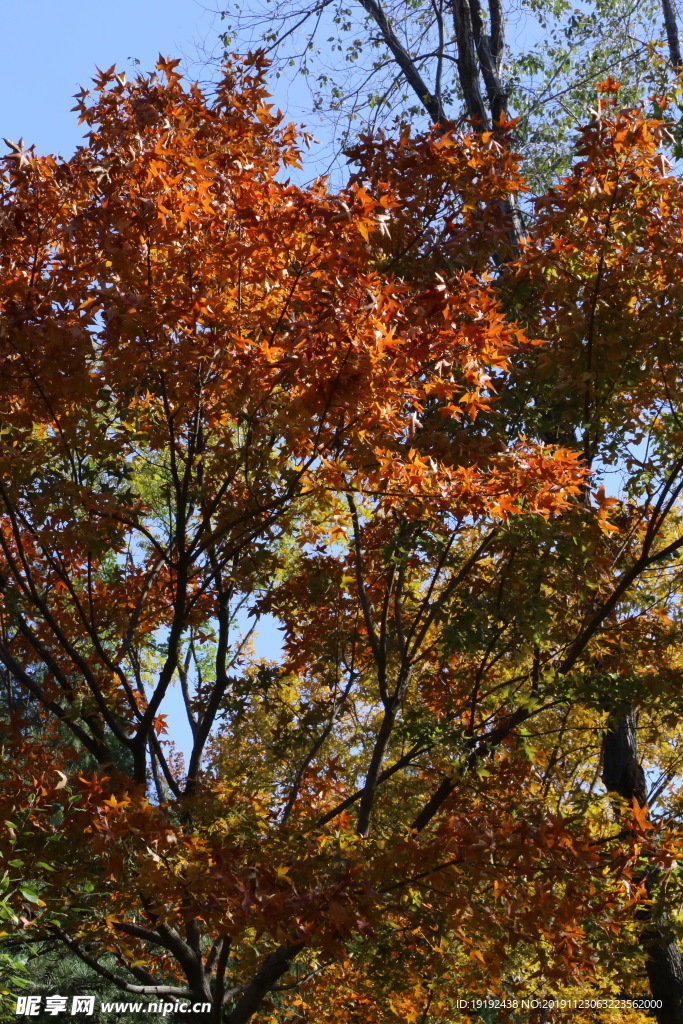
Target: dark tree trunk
[
  {"x": 664, "y": 967},
  {"x": 672, "y": 38},
  {"x": 274, "y": 966},
  {"x": 192, "y": 1018},
  {"x": 622, "y": 773}
]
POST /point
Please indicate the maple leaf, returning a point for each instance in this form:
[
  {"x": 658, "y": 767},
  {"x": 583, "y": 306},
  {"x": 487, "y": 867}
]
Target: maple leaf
[
  {"x": 640, "y": 816},
  {"x": 19, "y": 157}
]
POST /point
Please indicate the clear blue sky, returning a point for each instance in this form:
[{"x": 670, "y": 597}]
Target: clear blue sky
[{"x": 49, "y": 47}]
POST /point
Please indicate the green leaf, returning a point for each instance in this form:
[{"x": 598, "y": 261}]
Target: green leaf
[{"x": 29, "y": 893}]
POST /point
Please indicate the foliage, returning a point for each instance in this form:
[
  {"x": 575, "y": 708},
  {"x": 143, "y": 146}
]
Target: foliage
[{"x": 367, "y": 414}]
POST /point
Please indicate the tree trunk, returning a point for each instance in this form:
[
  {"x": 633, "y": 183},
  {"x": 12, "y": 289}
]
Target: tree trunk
[
  {"x": 671, "y": 26},
  {"x": 622, "y": 773},
  {"x": 272, "y": 969},
  {"x": 664, "y": 967},
  {"x": 192, "y": 1018}
]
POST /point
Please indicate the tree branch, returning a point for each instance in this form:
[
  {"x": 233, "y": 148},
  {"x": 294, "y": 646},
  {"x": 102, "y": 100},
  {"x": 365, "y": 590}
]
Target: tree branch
[{"x": 431, "y": 102}]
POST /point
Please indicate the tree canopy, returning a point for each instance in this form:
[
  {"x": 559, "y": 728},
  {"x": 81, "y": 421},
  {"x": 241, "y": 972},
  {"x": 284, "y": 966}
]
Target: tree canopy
[{"x": 382, "y": 417}]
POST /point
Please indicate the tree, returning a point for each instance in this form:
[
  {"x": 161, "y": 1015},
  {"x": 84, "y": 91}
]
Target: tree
[
  {"x": 221, "y": 393},
  {"x": 453, "y": 60},
  {"x": 370, "y": 64}
]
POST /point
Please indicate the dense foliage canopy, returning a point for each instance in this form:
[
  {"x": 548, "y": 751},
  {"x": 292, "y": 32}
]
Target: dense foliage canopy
[{"x": 379, "y": 417}]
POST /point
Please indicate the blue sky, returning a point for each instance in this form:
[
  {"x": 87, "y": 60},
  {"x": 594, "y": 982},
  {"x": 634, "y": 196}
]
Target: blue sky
[{"x": 49, "y": 47}]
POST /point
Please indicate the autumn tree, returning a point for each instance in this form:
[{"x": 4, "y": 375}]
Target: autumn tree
[
  {"x": 373, "y": 62},
  {"x": 225, "y": 396}
]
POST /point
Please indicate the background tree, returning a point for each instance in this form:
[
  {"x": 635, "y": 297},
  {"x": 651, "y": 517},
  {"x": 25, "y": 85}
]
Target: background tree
[{"x": 369, "y": 64}]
